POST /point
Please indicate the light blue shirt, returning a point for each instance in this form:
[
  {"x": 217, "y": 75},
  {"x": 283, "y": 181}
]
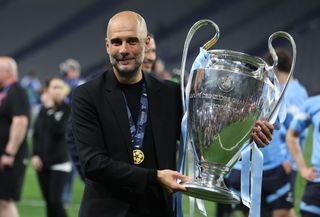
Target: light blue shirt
[
  {"x": 277, "y": 151},
  {"x": 310, "y": 115},
  {"x": 295, "y": 96}
]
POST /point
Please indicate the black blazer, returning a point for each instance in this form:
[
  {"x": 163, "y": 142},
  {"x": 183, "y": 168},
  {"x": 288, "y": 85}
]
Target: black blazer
[{"x": 103, "y": 141}]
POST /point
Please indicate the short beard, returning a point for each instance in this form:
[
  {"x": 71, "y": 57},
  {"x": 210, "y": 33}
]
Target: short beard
[{"x": 127, "y": 73}]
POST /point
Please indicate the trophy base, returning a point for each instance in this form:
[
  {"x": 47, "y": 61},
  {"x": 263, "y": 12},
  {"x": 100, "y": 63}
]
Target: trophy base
[{"x": 212, "y": 193}]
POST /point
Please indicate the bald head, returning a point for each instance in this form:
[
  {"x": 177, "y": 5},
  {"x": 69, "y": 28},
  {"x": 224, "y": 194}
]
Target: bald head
[
  {"x": 125, "y": 20},
  {"x": 126, "y": 43},
  {"x": 8, "y": 70}
]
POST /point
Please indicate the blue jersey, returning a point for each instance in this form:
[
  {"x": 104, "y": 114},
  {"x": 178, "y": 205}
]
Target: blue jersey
[
  {"x": 277, "y": 151},
  {"x": 310, "y": 115},
  {"x": 294, "y": 98},
  {"x": 33, "y": 86}
]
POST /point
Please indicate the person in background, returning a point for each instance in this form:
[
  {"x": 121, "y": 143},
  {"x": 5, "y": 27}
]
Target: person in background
[
  {"x": 14, "y": 120},
  {"x": 294, "y": 98},
  {"x": 33, "y": 86},
  {"x": 151, "y": 64},
  {"x": 309, "y": 115},
  {"x": 71, "y": 71},
  {"x": 150, "y": 55},
  {"x": 159, "y": 68},
  {"x": 50, "y": 155}
]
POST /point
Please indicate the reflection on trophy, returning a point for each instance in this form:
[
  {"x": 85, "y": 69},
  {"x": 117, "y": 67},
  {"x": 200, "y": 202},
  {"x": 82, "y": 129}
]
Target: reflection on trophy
[{"x": 226, "y": 93}]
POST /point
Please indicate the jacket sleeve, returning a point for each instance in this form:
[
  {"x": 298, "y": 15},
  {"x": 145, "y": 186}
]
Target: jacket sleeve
[{"x": 95, "y": 162}]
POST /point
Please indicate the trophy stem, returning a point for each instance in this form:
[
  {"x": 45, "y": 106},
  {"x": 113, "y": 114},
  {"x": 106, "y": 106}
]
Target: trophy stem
[
  {"x": 209, "y": 185},
  {"x": 212, "y": 174}
]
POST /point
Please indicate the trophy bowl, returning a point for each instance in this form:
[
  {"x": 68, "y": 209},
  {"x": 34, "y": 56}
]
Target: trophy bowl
[{"x": 225, "y": 100}]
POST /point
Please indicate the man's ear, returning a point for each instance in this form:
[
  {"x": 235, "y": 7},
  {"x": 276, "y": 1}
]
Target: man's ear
[
  {"x": 147, "y": 41},
  {"x": 107, "y": 45}
]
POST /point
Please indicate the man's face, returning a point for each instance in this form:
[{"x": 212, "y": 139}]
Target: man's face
[
  {"x": 72, "y": 74},
  {"x": 125, "y": 46},
  {"x": 4, "y": 72},
  {"x": 150, "y": 56},
  {"x": 56, "y": 90}
]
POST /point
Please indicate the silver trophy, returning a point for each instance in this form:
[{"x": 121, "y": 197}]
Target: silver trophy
[{"x": 226, "y": 93}]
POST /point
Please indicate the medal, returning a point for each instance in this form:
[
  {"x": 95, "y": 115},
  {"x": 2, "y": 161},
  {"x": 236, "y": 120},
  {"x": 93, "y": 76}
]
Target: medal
[
  {"x": 137, "y": 130},
  {"x": 138, "y": 156}
]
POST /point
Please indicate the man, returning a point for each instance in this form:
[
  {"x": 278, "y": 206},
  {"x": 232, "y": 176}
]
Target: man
[
  {"x": 126, "y": 125},
  {"x": 71, "y": 70},
  {"x": 294, "y": 98},
  {"x": 309, "y": 115},
  {"x": 278, "y": 186},
  {"x": 150, "y": 55},
  {"x": 151, "y": 61},
  {"x": 14, "y": 119}
]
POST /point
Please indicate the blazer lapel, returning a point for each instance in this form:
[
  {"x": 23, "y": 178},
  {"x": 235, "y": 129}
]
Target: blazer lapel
[{"x": 115, "y": 99}]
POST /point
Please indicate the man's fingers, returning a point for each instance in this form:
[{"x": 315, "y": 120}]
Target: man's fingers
[
  {"x": 266, "y": 128},
  {"x": 177, "y": 187},
  {"x": 168, "y": 178},
  {"x": 182, "y": 177},
  {"x": 313, "y": 174},
  {"x": 268, "y": 125},
  {"x": 262, "y": 133},
  {"x": 256, "y": 138}
]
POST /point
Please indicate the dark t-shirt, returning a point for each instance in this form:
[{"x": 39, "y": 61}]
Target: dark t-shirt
[
  {"x": 14, "y": 102},
  {"x": 152, "y": 202}
]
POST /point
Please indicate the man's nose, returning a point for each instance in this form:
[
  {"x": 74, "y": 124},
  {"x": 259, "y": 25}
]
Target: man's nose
[{"x": 124, "y": 48}]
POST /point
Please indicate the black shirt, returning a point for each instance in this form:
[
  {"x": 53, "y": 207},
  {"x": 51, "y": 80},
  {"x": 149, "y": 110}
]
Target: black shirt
[
  {"x": 151, "y": 203},
  {"x": 13, "y": 102}
]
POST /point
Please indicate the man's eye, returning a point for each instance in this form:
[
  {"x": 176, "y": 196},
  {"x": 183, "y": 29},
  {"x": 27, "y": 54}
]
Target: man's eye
[
  {"x": 116, "y": 42},
  {"x": 133, "y": 41}
]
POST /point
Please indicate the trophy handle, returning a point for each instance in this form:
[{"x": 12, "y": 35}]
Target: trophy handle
[
  {"x": 206, "y": 46},
  {"x": 280, "y": 34}
]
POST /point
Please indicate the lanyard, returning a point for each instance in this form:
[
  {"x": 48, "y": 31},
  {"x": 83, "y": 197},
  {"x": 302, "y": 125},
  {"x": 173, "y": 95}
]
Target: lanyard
[
  {"x": 6, "y": 88},
  {"x": 4, "y": 91},
  {"x": 137, "y": 131}
]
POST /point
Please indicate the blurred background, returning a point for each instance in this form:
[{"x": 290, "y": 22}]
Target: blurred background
[{"x": 41, "y": 34}]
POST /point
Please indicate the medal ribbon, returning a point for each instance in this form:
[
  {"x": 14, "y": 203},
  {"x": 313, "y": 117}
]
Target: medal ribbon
[
  {"x": 137, "y": 131},
  {"x": 4, "y": 91}
]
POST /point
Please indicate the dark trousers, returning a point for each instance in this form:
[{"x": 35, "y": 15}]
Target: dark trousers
[{"x": 52, "y": 184}]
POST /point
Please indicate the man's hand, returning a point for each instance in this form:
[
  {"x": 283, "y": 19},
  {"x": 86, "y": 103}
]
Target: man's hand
[
  {"x": 6, "y": 162},
  {"x": 309, "y": 173},
  {"x": 37, "y": 163},
  {"x": 168, "y": 179},
  {"x": 286, "y": 165},
  {"x": 262, "y": 133},
  {"x": 46, "y": 100}
]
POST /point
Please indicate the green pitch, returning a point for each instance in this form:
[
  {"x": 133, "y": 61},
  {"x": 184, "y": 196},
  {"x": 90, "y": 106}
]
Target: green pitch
[{"x": 32, "y": 205}]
